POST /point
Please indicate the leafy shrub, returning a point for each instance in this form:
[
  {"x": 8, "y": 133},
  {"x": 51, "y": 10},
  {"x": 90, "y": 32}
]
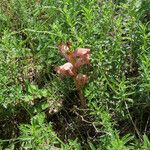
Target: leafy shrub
[{"x": 117, "y": 95}]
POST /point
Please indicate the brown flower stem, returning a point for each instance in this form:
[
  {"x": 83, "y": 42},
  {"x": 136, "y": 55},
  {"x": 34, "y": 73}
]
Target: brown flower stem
[
  {"x": 80, "y": 93},
  {"x": 78, "y": 87},
  {"x": 82, "y": 99}
]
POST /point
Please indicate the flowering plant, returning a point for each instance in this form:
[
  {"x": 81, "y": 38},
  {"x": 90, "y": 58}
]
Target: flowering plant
[{"x": 76, "y": 59}]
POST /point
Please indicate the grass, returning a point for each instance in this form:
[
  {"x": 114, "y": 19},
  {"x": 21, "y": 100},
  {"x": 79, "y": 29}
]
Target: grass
[{"x": 39, "y": 109}]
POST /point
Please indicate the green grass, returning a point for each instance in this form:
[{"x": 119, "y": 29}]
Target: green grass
[{"x": 36, "y": 105}]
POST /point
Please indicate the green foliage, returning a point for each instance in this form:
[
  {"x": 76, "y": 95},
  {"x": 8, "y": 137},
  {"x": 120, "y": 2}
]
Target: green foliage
[
  {"x": 146, "y": 143},
  {"x": 38, "y": 135},
  {"x": 118, "y": 92}
]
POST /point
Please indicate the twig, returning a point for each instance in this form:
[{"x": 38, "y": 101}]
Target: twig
[
  {"x": 136, "y": 129},
  {"x": 146, "y": 124},
  {"x": 83, "y": 118}
]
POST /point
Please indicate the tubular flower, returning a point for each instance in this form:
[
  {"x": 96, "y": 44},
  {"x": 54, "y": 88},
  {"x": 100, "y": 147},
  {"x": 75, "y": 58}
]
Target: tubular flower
[
  {"x": 64, "y": 49},
  {"x": 66, "y": 69},
  {"x": 81, "y": 79},
  {"x": 83, "y": 56}
]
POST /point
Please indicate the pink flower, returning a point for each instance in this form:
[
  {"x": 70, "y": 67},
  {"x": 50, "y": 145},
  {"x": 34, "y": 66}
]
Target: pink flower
[
  {"x": 81, "y": 79},
  {"x": 82, "y": 55},
  {"x": 64, "y": 49},
  {"x": 66, "y": 69},
  {"x": 81, "y": 52}
]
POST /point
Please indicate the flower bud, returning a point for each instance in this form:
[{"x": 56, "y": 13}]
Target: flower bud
[
  {"x": 64, "y": 49},
  {"x": 81, "y": 79}
]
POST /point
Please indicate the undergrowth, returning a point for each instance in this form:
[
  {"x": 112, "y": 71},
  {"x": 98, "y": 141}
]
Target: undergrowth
[{"x": 39, "y": 110}]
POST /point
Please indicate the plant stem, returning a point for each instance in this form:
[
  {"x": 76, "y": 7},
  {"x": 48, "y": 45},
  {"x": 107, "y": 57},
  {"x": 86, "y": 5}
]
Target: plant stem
[
  {"x": 78, "y": 87},
  {"x": 82, "y": 99},
  {"x": 80, "y": 93}
]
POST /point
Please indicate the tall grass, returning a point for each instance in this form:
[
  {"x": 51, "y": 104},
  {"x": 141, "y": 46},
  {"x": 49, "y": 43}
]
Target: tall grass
[{"x": 38, "y": 108}]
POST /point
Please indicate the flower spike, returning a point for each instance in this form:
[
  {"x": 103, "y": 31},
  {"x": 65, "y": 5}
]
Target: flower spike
[{"x": 76, "y": 59}]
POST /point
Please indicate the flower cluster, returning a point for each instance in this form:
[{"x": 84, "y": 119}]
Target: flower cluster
[{"x": 76, "y": 59}]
